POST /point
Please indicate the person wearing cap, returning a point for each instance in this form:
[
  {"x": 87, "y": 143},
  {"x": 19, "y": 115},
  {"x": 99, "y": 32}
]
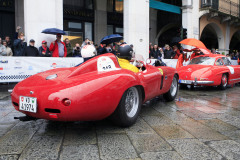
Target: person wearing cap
[
  {"x": 31, "y": 50},
  {"x": 58, "y": 47},
  {"x": 44, "y": 50}
]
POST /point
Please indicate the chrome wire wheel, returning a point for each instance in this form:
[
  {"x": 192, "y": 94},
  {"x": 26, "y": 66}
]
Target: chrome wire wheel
[
  {"x": 224, "y": 80},
  {"x": 174, "y": 85},
  {"x": 132, "y": 102}
]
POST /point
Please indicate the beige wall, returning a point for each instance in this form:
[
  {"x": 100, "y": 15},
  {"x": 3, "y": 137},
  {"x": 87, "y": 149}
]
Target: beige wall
[
  {"x": 219, "y": 28},
  {"x": 225, "y": 7},
  {"x": 204, "y": 22}
]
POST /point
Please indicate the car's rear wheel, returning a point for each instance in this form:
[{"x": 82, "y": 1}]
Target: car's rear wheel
[
  {"x": 128, "y": 108},
  {"x": 172, "y": 93},
  {"x": 224, "y": 82}
]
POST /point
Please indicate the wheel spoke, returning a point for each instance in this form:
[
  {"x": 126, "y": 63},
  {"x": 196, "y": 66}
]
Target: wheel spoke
[{"x": 132, "y": 101}]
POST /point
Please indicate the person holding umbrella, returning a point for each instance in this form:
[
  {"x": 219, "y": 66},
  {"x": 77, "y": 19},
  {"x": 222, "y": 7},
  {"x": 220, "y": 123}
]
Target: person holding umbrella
[{"x": 58, "y": 47}]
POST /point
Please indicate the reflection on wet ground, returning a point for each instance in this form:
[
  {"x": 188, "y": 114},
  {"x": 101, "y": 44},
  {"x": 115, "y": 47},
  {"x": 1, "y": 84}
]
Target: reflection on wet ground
[{"x": 202, "y": 123}]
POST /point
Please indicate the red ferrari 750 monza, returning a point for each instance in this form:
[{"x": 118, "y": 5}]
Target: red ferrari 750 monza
[
  {"x": 97, "y": 89},
  {"x": 209, "y": 70}
]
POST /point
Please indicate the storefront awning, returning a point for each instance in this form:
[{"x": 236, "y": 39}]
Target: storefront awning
[{"x": 164, "y": 7}]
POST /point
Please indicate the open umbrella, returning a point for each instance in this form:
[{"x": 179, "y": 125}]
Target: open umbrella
[
  {"x": 193, "y": 42},
  {"x": 111, "y": 38},
  {"x": 204, "y": 50},
  {"x": 54, "y": 31}
]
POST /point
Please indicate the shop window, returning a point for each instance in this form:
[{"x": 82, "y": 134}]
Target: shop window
[
  {"x": 109, "y": 29},
  {"x": 119, "y": 6},
  {"x": 74, "y": 37},
  {"x": 88, "y": 30},
  {"x": 88, "y": 4},
  {"x": 74, "y": 25},
  {"x": 115, "y": 6},
  {"x": 119, "y": 30},
  {"x": 110, "y": 5}
]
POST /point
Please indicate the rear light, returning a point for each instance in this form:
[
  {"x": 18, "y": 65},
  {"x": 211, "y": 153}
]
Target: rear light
[{"x": 66, "y": 102}]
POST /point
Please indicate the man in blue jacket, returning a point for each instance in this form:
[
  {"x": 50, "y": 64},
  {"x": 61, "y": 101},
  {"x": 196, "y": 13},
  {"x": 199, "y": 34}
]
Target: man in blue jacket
[{"x": 19, "y": 45}]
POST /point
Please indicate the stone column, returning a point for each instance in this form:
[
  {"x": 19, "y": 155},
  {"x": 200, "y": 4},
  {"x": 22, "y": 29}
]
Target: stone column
[
  {"x": 136, "y": 25},
  {"x": 39, "y": 15},
  {"x": 190, "y": 18},
  {"x": 227, "y": 39},
  {"x": 100, "y": 22},
  {"x": 19, "y": 13},
  {"x": 153, "y": 26}
]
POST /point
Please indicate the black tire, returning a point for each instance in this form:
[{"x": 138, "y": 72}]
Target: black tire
[
  {"x": 224, "y": 82},
  {"x": 121, "y": 116},
  {"x": 171, "y": 95}
]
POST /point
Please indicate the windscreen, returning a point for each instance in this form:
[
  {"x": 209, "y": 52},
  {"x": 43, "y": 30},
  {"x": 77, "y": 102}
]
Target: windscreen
[{"x": 203, "y": 61}]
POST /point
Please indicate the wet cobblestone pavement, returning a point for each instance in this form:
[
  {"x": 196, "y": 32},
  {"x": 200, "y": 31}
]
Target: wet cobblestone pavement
[{"x": 203, "y": 123}]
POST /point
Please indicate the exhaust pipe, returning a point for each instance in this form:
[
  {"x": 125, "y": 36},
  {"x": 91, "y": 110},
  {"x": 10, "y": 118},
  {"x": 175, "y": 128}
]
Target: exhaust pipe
[{"x": 26, "y": 118}]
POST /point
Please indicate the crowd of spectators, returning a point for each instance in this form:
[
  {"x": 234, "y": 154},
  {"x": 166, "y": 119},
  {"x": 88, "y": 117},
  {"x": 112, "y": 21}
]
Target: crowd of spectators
[
  {"x": 165, "y": 52},
  {"x": 57, "y": 48}
]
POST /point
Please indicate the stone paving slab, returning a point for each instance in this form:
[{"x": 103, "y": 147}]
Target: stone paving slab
[
  {"x": 9, "y": 157},
  {"x": 193, "y": 149},
  {"x": 165, "y": 155},
  {"x": 80, "y": 136},
  {"x": 218, "y": 125},
  {"x": 15, "y": 141},
  {"x": 83, "y": 152},
  {"x": 201, "y": 131},
  {"x": 140, "y": 127},
  {"x": 155, "y": 121},
  {"x": 228, "y": 148},
  {"x": 172, "y": 132},
  {"x": 148, "y": 143},
  {"x": 42, "y": 148},
  {"x": 115, "y": 146}
]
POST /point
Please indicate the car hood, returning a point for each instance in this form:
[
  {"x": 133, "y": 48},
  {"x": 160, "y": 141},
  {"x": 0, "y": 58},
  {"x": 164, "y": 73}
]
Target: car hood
[{"x": 191, "y": 72}]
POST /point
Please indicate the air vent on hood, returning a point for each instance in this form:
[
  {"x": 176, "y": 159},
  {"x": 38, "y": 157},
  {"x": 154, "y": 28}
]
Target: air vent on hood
[{"x": 51, "y": 77}]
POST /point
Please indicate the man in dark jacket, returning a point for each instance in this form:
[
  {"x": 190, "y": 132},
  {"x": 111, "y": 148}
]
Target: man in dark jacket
[
  {"x": 69, "y": 48},
  {"x": 101, "y": 49},
  {"x": 168, "y": 52},
  {"x": 19, "y": 45},
  {"x": 155, "y": 53},
  {"x": 44, "y": 50},
  {"x": 31, "y": 50}
]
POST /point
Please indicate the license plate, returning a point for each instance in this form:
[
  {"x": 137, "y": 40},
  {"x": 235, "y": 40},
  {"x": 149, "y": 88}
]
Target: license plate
[
  {"x": 28, "y": 104},
  {"x": 185, "y": 81}
]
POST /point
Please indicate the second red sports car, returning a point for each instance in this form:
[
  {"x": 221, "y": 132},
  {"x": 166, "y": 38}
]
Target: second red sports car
[{"x": 209, "y": 70}]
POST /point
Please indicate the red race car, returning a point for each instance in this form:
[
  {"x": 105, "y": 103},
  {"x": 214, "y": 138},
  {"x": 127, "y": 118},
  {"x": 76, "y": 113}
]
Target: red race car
[
  {"x": 209, "y": 70},
  {"x": 94, "y": 90}
]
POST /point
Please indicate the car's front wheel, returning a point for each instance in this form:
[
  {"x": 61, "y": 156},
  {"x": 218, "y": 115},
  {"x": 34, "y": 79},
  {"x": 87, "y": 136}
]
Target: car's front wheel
[
  {"x": 128, "y": 108},
  {"x": 172, "y": 93}
]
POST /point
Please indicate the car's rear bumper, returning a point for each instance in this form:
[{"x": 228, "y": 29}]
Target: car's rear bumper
[{"x": 195, "y": 82}]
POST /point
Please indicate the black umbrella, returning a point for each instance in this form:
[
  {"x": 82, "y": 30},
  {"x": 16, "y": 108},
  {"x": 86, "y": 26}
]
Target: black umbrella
[
  {"x": 111, "y": 38},
  {"x": 54, "y": 31}
]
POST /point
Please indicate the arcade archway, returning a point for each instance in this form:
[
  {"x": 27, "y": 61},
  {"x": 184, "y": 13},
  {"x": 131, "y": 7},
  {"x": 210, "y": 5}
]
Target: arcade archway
[
  {"x": 235, "y": 41},
  {"x": 212, "y": 36}
]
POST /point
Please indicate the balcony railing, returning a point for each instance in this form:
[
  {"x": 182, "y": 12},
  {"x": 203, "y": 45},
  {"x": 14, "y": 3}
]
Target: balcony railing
[{"x": 224, "y": 6}]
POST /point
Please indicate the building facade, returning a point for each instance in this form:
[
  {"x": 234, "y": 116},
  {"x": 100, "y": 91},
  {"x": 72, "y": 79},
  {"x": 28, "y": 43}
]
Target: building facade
[{"x": 215, "y": 22}]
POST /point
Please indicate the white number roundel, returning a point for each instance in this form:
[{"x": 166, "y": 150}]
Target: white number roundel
[
  {"x": 105, "y": 64},
  {"x": 231, "y": 69}
]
